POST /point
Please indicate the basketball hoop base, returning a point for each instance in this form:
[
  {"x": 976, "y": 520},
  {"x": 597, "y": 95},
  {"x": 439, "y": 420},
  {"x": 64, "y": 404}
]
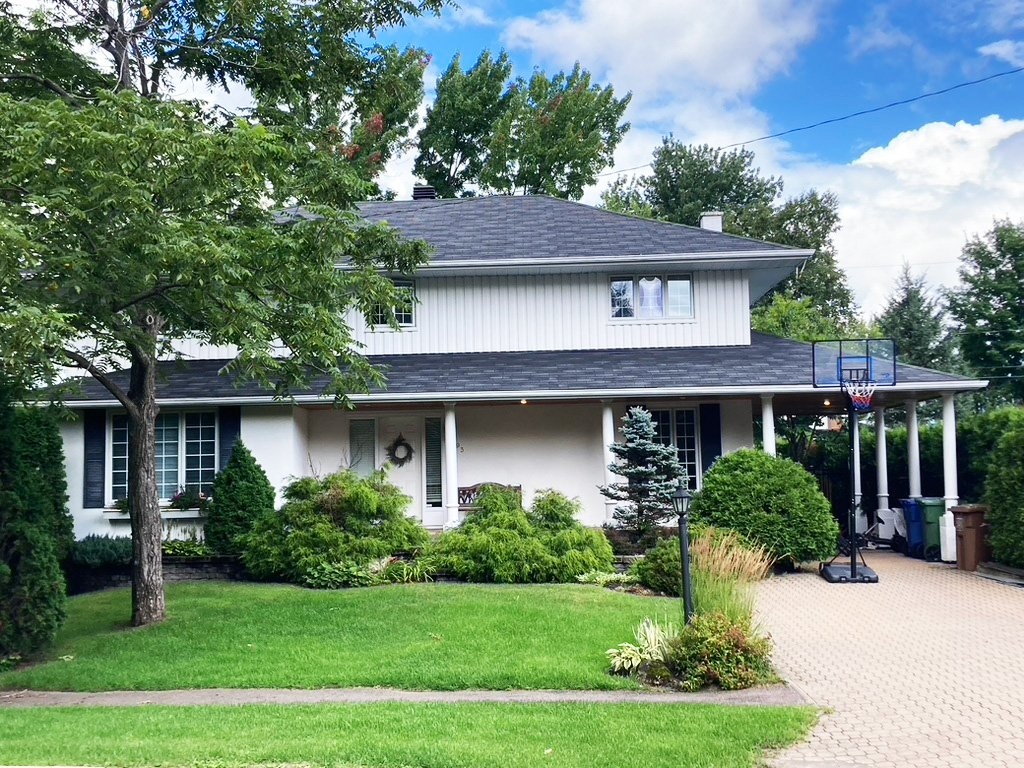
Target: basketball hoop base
[{"x": 834, "y": 573}]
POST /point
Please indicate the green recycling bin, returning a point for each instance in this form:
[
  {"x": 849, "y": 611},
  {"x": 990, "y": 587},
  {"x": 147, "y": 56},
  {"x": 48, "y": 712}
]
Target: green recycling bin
[{"x": 932, "y": 510}]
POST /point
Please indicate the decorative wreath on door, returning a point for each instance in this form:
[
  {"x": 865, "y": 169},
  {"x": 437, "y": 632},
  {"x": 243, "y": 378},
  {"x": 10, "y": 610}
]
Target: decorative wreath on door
[{"x": 400, "y": 452}]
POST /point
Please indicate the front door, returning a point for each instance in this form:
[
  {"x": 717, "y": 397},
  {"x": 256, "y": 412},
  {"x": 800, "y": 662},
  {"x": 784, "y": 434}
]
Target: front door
[{"x": 402, "y": 436}]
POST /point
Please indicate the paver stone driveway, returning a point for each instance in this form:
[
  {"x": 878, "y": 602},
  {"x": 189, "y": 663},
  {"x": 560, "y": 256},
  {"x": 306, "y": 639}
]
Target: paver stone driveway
[{"x": 925, "y": 668}]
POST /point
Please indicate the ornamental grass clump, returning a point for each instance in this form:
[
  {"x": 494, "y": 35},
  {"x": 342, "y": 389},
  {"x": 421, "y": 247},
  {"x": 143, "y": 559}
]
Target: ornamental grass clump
[
  {"x": 725, "y": 568},
  {"x": 502, "y": 542}
]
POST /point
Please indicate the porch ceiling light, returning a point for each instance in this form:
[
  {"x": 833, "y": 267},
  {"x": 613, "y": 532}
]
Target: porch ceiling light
[{"x": 523, "y": 401}]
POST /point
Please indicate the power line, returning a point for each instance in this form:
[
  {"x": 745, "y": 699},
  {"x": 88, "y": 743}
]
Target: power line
[{"x": 850, "y": 116}]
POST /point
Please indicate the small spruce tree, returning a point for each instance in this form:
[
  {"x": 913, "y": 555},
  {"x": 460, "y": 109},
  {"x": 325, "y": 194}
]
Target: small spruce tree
[
  {"x": 651, "y": 471},
  {"x": 241, "y": 494}
]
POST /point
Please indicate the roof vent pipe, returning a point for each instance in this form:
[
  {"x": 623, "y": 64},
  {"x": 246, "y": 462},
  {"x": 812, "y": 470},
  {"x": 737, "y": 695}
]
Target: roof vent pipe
[
  {"x": 424, "y": 192},
  {"x": 711, "y": 220}
]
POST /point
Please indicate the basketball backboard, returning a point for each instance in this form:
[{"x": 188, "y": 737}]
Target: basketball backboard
[{"x": 836, "y": 362}]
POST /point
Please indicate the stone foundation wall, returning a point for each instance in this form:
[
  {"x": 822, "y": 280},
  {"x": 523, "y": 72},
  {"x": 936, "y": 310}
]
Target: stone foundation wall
[{"x": 81, "y": 579}]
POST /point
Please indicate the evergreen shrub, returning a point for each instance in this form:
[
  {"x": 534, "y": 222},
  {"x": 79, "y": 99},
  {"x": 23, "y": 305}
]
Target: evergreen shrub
[
  {"x": 337, "y": 520},
  {"x": 502, "y": 542},
  {"x": 102, "y": 551},
  {"x": 241, "y": 495},
  {"x": 651, "y": 472},
  {"x": 35, "y": 529},
  {"x": 1004, "y": 493},
  {"x": 771, "y": 502}
]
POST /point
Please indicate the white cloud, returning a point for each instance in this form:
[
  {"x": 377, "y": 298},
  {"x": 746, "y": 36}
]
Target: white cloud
[
  {"x": 1010, "y": 51},
  {"x": 877, "y": 34},
  {"x": 920, "y": 198},
  {"x": 463, "y": 15},
  {"x": 676, "y": 48}
]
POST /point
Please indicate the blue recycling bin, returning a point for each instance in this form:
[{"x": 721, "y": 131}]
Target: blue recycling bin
[{"x": 913, "y": 513}]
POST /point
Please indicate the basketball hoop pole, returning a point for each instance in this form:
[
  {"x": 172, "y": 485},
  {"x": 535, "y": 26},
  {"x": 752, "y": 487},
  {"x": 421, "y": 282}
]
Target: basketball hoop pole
[{"x": 852, "y": 518}]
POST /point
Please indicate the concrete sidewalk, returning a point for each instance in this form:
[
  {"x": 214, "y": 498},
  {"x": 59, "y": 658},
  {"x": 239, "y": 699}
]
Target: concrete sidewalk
[
  {"x": 923, "y": 670},
  {"x": 767, "y": 696}
]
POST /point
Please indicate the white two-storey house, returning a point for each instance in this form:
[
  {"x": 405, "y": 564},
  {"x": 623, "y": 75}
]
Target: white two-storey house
[{"x": 536, "y": 324}]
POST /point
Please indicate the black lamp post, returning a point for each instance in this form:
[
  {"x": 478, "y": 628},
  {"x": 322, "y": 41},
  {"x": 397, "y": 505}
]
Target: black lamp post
[{"x": 681, "y": 504}]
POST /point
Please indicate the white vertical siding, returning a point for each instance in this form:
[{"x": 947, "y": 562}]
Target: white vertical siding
[{"x": 550, "y": 312}]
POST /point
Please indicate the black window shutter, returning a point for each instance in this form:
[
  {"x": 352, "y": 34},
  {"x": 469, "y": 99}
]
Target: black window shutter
[
  {"x": 230, "y": 428},
  {"x": 94, "y": 423},
  {"x": 710, "y": 434}
]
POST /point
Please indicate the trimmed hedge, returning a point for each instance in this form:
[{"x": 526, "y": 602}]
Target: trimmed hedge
[
  {"x": 1004, "y": 492},
  {"x": 771, "y": 502}
]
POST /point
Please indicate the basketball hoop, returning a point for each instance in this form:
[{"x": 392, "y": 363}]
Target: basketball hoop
[{"x": 860, "y": 393}]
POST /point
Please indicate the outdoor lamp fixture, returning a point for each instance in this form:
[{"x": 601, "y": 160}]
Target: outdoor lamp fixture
[{"x": 681, "y": 505}]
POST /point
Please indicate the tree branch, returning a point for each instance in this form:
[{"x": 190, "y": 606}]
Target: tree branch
[
  {"x": 108, "y": 383},
  {"x": 48, "y": 84},
  {"x": 158, "y": 291}
]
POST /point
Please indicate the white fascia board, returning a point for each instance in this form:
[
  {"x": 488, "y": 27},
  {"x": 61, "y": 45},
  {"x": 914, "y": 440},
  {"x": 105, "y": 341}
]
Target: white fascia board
[
  {"x": 931, "y": 387},
  {"x": 734, "y": 260}
]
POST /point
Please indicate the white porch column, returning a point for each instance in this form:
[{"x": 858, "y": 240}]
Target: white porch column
[
  {"x": 949, "y": 452},
  {"x": 947, "y": 529},
  {"x": 768, "y": 424},
  {"x": 881, "y": 459},
  {"x": 913, "y": 450},
  {"x": 451, "y": 467},
  {"x": 607, "y": 438}
]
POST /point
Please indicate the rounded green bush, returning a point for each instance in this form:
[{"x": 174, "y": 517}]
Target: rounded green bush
[
  {"x": 660, "y": 570},
  {"x": 771, "y": 502},
  {"x": 342, "y": 518},
  {"x": 502, "y": 542},
  {"x": 1004, "y": 492}
]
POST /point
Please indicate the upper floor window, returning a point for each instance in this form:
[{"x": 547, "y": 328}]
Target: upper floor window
[
  {"x": 186, "y": 453},
  {"x": 652, "y": 296},
  {"x": 403, "y": 310}
]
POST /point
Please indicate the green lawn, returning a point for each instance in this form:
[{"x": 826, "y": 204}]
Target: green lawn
[
  {"x": 424, "y": 636},
  {"x": 423, "y": 735}
]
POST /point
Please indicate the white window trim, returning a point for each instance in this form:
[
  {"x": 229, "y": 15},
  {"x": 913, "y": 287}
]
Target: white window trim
[
  {"x": 665, "y": 319},
  {"x": 108, "y": 481},
  {"x": 375, "y": 327}
]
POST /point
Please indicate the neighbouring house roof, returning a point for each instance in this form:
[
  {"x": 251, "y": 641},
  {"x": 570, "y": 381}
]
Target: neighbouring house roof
[{"x": 767, "y": 365}]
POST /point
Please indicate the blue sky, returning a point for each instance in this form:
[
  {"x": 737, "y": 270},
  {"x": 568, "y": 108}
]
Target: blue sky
[{"x": 913, "y": 182}]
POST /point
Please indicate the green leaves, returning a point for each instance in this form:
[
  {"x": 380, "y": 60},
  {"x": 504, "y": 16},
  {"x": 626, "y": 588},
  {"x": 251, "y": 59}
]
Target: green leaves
[
  {"x": 989, "y": 308},
  {"x": 130, "y": 208},
  {"x": 545, "y": 135}
]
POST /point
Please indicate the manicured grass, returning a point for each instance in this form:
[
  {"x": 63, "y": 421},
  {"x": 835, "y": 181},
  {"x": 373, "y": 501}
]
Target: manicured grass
[
  {"x": 424, "y": 735},
  {"x": 424, "y": 636}
]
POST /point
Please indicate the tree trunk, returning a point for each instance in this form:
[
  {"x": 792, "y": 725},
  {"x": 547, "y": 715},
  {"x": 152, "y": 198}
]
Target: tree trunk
[{"x": 148, "y": 605}]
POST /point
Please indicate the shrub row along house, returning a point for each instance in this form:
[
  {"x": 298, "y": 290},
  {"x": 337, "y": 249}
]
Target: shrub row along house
[{"x": 535, "y": 325}]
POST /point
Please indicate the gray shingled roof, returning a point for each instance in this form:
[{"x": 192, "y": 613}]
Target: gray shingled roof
[
  {"x": 500, "y": 228},
  {"x": 767, "y": 363}
]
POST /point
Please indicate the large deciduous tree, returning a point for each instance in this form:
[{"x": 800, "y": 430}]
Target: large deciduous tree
[
  {"x": 687, "y": 180},
  {"x": 129, "y": 220},
  {"x": 453, "y": 140},
  {"x": 544, "y": 135},
  {"x": 989, "y": 307}
]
